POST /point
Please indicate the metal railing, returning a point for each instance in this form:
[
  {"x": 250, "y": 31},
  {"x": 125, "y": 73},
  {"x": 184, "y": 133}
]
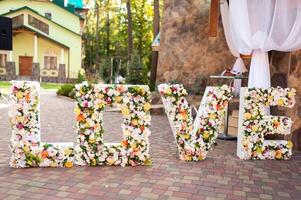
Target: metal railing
[{"x": 5, "y": 99}]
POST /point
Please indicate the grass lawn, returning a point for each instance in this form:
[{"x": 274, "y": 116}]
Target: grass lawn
[
  {"x": 51, "y": 86},
  {"x": 5, "y": 85}
]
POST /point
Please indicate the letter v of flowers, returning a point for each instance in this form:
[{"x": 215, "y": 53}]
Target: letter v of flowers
[{"x": 194, "y": 139}]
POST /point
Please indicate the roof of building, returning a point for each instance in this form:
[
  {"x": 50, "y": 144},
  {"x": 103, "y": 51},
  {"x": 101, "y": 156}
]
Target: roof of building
[
  {"x": 156, "y": 41},
  {"x": 42, "y": 35},
  {"x": 27, "y": 8},
  {"x": 77, "y": 3},
  {"x": 70, "y": 6}
]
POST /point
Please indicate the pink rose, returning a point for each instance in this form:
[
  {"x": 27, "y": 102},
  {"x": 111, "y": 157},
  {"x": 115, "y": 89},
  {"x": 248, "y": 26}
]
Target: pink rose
[{"x": 20, "y": 126}]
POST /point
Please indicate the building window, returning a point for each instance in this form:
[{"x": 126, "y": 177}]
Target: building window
[
  {"x": 38, "y": 24},
  {"x": 48, "y": 15},
  {"x": 3, "y": 60},
  {"x": 18, "y": 21},
  {"x": 50, "y": 62}
]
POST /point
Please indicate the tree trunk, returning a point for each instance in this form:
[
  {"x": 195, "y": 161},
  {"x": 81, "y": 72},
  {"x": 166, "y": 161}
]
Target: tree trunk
[
  {"x": 156, "y": 25},
  {"x": 130, "y": 31},
  {"x": 108, "y": 42},
  {"x": 108, "y": 29},
  {"x": 155, "y": 54},
  {"x": 97, "y": 62}
]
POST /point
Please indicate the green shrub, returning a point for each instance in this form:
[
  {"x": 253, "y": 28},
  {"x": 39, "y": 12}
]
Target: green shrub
[
  {"x": 104, "y": 70},
  {"x": 66, "y": 90},
  {"x": 81, "y": 76},
  {"x": 138, "y": 72}
]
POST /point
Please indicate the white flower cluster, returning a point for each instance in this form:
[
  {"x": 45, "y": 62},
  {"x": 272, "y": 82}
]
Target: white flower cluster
[
  {"x": 28, "y": 151},
  {"x": 256, "y": 125},
  {"x": 135, "y": 106},
  {"x": 26, "y": 147},
  {"x": 194, "y": 141}
]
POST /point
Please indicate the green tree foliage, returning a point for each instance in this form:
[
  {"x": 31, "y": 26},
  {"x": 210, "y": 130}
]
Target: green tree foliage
[
  {"x": 138, "y": 74},
  {"x": 111, "y": 39}
]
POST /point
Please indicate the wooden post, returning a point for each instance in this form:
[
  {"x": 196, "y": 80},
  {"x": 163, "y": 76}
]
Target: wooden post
[
  {"x": 10, "y": 56},
  {"x": 155, "y": 54},
  {"x": 35, "y": 59},
  {"x": 62, "y": 56},
  {"x": 213, "y": 20},
  {"x": 111, "y": 70}
]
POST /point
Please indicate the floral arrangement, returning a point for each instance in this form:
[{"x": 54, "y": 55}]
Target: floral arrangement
[
  {"x": 26, "y": 147},
  {"x": 255, "y": 124},
  {"x": 28, "y": 151},
  {"x": 135, "y": 106},
  {"x": 194, "y": 140}
]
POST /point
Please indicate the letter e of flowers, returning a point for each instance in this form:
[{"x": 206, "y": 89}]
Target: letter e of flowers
[{"x": 254, "y": 124}]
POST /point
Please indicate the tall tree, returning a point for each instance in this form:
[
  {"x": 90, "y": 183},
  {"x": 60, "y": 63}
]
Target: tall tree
[
  {"x": 108, "y": 28},
  {"x": 124, "y": 28},
  {"x": 129, "y": 29},
  {"x": 155, "y": 54},
  {"x": 156, "y": 24},
  {"x": 97, "y": 35},
  {"x": 108, "y": 42}
]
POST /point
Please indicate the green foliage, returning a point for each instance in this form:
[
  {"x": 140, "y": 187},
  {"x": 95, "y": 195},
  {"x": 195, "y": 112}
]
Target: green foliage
[
  {"x": 137, "y": 74},
  {"x": 5, "y": 86},
  {"x": 113, "y": 35},
  {"x": 81, "y": 76},
  {"x": 104, "y": 70},
  {"x": 66, "y": 90},
  {"x": 51, "y": 86}
]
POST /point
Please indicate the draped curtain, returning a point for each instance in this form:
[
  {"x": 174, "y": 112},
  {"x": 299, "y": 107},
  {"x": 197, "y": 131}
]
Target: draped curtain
[
  {"x": 258, "y": 26},
  {"x": 239, "y": 65}
]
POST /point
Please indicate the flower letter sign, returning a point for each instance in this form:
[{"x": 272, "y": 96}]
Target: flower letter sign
[
  {"x": 254, "y": 124},
  {"x": 194, "y": 140},
  {"x": 28, "y": 151},
  {"x": 135, "y": 106},
  {"x": 26, "y": 147}
]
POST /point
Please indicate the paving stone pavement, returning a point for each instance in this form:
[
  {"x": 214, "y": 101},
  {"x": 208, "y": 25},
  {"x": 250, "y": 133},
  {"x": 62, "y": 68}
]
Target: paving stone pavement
[{"x": 221, "y": 176}]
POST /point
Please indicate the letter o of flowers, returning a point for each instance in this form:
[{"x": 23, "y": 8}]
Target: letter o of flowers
[
  {"x": 194, "y": 139},
  {"x": 135, "y": 106},
  {"x": 254, "y": 124}
]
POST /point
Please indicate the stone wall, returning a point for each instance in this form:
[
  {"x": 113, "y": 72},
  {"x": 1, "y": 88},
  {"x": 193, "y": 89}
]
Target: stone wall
[
  {"x": 36, "y": 72},
  {"x": 187, "y": 54},
  {"x": 10, "y": 72}
]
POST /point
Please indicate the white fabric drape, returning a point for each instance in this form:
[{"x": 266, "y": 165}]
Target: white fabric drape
[
  {"x": 239, "y": 65},
  {"x": 224, "y": 7},
  {"x": 258, "y": 26}
]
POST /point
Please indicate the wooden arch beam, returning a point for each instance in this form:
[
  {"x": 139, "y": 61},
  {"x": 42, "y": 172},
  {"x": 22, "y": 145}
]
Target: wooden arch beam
[{"x": 213, "y": 19}]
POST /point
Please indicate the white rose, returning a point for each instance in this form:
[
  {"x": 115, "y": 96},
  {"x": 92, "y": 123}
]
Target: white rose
[{"x": 110, "y": 92}]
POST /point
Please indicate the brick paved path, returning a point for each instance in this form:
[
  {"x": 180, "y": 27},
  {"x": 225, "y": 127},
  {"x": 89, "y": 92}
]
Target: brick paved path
[{"x": 221, "y": 176}]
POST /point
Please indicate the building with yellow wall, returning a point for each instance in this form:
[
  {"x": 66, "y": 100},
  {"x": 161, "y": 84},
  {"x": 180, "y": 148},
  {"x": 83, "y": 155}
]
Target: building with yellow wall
[{"x": 47, "y": 40}]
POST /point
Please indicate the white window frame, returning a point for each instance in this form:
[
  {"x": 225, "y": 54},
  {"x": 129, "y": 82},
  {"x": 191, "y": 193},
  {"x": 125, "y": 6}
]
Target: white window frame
[
  {"x": 48, "y": 12},
  {"x": 5, "y": 53},
  {"x": 51, "y": 55}
]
